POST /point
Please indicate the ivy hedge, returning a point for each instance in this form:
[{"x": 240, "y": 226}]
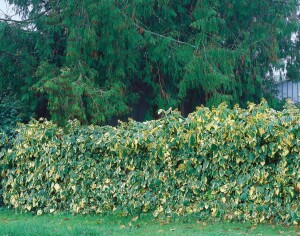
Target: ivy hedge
[{"x": 236, "y": 164}]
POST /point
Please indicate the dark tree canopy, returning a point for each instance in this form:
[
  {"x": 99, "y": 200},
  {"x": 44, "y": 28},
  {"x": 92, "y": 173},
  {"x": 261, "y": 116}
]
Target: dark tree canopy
[{"x": 94, "y": 60}]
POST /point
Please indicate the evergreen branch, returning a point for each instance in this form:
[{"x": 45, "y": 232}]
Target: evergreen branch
[
  {"x": 163, "y": 36},
  {"x": 157, "y": 34},
  {"x": 16, "y": 55},
  {"x": 8, "y": 53},
  {"x": 26, "y": 20}
]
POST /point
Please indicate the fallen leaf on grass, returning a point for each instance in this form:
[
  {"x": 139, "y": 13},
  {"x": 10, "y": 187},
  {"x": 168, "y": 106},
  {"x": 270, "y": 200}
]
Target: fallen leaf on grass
[
  {"x": 134, "y": 218},
  {"x": 66, "y": 219},
  {"x": 5, "y": 221},
  {"x": 172, "y": 229},
  {"x": 39, "y": 212},
  {"x": 122, "y": 226}
]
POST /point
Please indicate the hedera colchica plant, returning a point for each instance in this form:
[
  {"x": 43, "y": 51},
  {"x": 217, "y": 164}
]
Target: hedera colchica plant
[
  {"x": 233, "y": 164},
  {"x": 94, "y": 60}
]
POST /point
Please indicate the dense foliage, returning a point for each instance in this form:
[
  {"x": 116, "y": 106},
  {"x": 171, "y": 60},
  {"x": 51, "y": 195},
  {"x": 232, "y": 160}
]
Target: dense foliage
[
  {"x": 11, "y": 113},
  {"x": 94, "y": 60},
  {"x": 223, "y": 163}
]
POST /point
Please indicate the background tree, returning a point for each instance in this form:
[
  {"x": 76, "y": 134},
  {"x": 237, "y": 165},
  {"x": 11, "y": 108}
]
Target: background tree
[{"x": 94, "y": 60}]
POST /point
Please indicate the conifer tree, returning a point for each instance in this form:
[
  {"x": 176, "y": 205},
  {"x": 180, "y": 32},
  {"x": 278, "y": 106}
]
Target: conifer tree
[{"x": 93, "y": 60}]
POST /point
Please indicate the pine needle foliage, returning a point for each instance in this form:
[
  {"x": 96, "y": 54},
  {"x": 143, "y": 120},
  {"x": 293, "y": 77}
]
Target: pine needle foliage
[{"x": 94, "y": 60}]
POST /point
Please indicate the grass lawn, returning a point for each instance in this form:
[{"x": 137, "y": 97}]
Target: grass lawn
[{"x": 12, "y": 223}]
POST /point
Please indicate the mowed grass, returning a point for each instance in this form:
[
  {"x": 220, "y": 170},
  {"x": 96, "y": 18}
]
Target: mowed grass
[{"x": 13, "y": 223}]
